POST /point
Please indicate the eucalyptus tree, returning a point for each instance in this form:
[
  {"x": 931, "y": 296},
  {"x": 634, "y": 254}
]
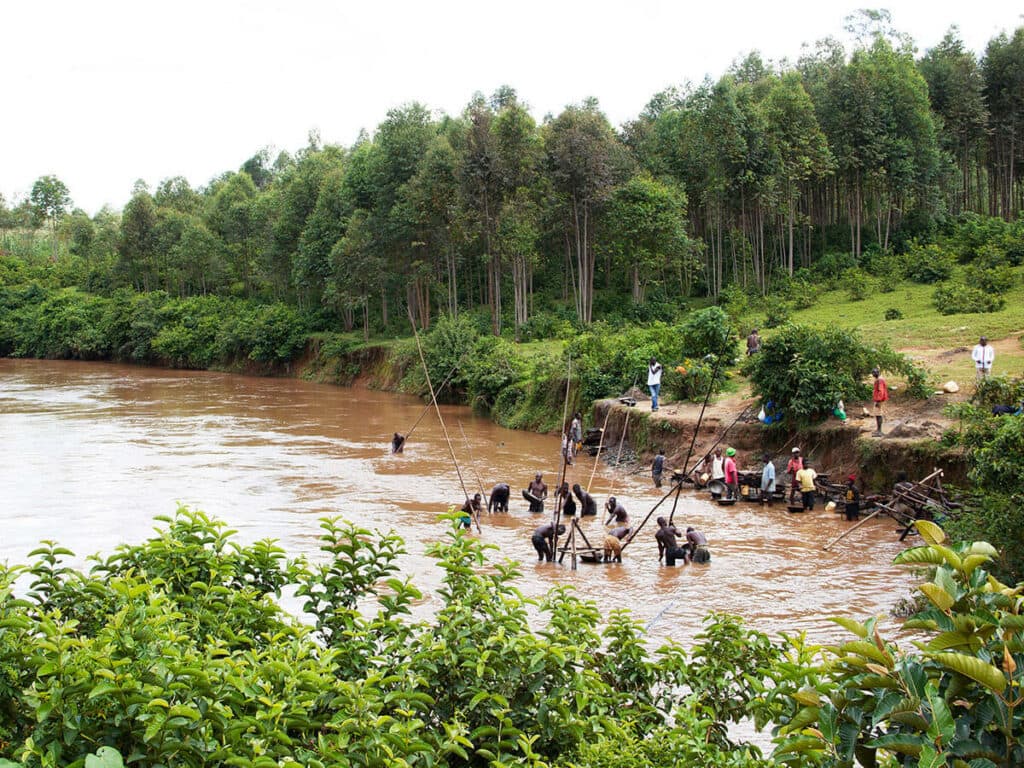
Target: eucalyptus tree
[
  {"x": 232, "y": 217},
  {"x": 645, "y": 230},
  {"x": 50, "y": 201},
  {"x": 583, "y": 157},
  {"x": 1003, "y": 68},
  {"x": 798, "y": 144},
  {"x": 325, "y": 225},
  {"x": 956, "y": 91},
  {"x": 136, "y": 247}
]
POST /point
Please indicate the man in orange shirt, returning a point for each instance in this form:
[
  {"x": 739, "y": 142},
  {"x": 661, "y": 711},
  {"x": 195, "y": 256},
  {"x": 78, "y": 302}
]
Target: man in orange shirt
[{"x": 880, "y": 395}]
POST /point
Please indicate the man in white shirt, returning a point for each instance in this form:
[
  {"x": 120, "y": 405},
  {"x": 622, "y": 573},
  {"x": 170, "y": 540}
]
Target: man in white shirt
[
  {"x": 654, "y": 381},
  {"x": 983, "y": 355}
]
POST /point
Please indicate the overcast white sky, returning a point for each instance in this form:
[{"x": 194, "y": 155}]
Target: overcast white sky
[{"x": 105, "y": 92}]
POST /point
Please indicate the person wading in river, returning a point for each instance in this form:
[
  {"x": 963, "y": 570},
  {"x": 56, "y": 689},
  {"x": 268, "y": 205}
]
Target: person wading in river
[
  {"x": 696, "y": 546},
  {"x": 613, "y": 543},
  {"x": 657, "y": 468},
  {"x": 471, "y": 510},
  {"x": 397, "y": 443},
  {"x": 796, "y": 463},
  {"x": 732, "y": 475},
  {"x": 498, "y": 500},
  {"x": 588, "y": 506},
  {"x": 568, "y": 502},
  {"x": 668, "y": 544},
  {"x": 544, "y": 541},
  {"x": 538, "y": 490}
]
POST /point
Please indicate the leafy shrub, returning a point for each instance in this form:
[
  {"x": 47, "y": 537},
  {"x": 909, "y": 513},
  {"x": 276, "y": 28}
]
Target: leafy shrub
[
  {"x": 928, "y": 264},
  {"x": 858, "y": 284},
  {"x": 546, "y": 325},
  {"x": 893, "y": 314},
  {"x": 806, "y": 371},
  {"x": 959, "y": 298},
  {"x": 690, "y": 379},
  {"x": 709, "y": 332},
  {"x": 991, "y": 276},
  {"x": 831, "y": 266},
  {"x": 998, "y": 390},
  {"x": 778, "y": 314}
]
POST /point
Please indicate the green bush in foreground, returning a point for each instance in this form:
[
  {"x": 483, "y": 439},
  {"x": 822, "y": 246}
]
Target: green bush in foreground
[{"x": 174, "y": 653}]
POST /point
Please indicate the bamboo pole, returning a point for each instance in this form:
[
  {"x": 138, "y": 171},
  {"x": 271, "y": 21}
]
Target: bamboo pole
[
  {"x": 600, "y": 444},
  {"x": 469, "y": 452},
  {"x": 676, "y": 489},
  {"x": 444, "y": 429},
  {"x": 565, "y": 460},
  {"x": 426, "y": 408}
]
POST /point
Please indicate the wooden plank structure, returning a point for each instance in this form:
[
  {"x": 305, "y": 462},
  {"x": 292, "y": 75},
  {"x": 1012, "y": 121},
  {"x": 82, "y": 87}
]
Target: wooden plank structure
[{"x": 909, "y": 502}]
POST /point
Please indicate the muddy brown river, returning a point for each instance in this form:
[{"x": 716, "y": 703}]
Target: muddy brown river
[{"x": 94, "y": 451}]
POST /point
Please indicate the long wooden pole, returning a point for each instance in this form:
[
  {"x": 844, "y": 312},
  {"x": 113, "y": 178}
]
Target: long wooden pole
[
  {"x": 675, "y": 489},
  {"x": 440, "y": 389},
  {"x": 440, "y": 418},
  {"x": 600, "y": 444},
  {"x": 565, "y": 460},
  {"x": 472, "y": 466}
]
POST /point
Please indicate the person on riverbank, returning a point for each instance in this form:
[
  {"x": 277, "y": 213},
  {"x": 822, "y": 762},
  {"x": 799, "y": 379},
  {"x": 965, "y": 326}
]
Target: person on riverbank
[
  {"x": 544, "y": 541},
  {"x": 654, "y": 381},
  {"x": 568, "y": 502},
  {"x": 852, "y": 498},
  {"x": 753, "y": 343},
  {"x": 732, "y": 475},
  {"x": 767, "y": 478},
  {"x": 588, "y": 506},
  {"x": 657, "y": 468},
  {"x": 795, "y": 464},
  {"x": 616, "y": 512},
  {"x": 696, "y": 547},
  {"x": 576, "y": 433},
  {"x": 498, "y": 500},
  {"x": 668, "y": 543},
  {"x": 536, "y": 492},
  {"x": 397, "y": 443},
  {"x": 805, "y": 478},
  {"x": 613, "y": 543},
  {"x": 702, "y": 472},
  {"x": 983, "y": 356},
  {"x": 880, "y": 395}
]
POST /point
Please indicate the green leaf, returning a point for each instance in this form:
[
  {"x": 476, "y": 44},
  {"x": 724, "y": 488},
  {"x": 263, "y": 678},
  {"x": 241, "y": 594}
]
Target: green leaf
[
  {"x": 919, "y": 556},
  {"x": 939, "y": 597},
  {"x": 976, "y": 669},
  {"x": 930, "y": 532},
  {"x": 903, "y": 743},
  {"x": 105, "y": 757},
  {"x": 853, "y": 626},
  {"x": 942, "y": 729}
]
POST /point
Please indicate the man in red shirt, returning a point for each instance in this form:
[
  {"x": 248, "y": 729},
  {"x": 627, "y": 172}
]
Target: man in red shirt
[
  {"x": 796, "y": 463},
  {"x": 732, "y": 476},
  {"x": 880, "y": 395}
]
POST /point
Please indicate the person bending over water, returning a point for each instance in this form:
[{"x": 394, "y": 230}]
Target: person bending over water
[
  {"x": 587, "y": 504},
  {"x": 498, "y": 500},
  {"x": 544, "y": 541}
]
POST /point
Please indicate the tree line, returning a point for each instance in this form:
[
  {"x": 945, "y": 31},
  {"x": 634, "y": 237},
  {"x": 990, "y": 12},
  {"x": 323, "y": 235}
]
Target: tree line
[{"x": 743, "y": 180}]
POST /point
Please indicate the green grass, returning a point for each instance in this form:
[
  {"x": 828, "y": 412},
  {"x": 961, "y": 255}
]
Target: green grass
[{"x": 922, "y": 326}]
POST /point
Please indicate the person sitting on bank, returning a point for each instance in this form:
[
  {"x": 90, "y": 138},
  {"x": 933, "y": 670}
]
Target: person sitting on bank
[
  {"x": 397, "y": 443},
  {"x": 805, "y": 479},
  {"x": 498, "y": 500},
  {"x": 544, "y": 541},
  {"x": 852, "y": 498},
  {"x": 588, "y": 505},
  {"x": 568, "y": 502},
  {"x": 536, "y": 492},
  {"x": 613, "y": 543},
  {"x": 616, "y": 512},
  {"x": 668, "y": 544},
  {"x": 696, "y": 547},
  {"x": 732, "y": 475},
  {"x": 767, "y": 479},
  {"x": 657, "y": 468},
  {"x": 471, "y": 510}
]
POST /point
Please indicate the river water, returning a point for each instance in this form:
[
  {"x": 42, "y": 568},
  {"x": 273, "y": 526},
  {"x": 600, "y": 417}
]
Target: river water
[{"x": 93, "y": 452}]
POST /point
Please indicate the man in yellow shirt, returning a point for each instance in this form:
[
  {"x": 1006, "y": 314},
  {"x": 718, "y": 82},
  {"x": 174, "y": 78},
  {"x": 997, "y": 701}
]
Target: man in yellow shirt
[{"x": 805, "y": 479}]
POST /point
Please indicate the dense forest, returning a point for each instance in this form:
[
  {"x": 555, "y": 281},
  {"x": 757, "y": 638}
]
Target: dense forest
[{"x": 744, "y": 181}]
